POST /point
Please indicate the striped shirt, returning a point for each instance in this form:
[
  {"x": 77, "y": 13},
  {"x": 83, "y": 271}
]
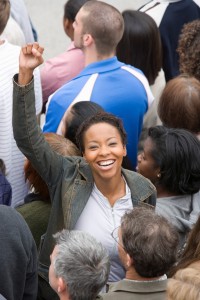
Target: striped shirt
[{"x": 9, "y": 152}]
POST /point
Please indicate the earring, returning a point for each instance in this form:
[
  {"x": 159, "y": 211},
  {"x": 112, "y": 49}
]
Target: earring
[{"x": 158, "y": 175}]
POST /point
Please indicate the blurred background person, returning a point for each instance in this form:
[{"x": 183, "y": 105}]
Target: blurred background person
[
  {"x": 185, "y": 284},
  {"x": 18, "y": 257},
  {"x": 171, "y": 160},
  {"x": 191, "y": 254},
  {"x": 179, "y": 105},
  {"x": 9, "y": 152},
  {"x": 65, "y": 66},
  {"x": 170, "y": 16},
  {"x": 140, "y": 47},
  {"x": 189, "y": 49}
]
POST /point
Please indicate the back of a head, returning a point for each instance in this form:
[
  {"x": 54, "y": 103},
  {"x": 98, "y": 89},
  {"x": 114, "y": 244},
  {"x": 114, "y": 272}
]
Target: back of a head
[
  {"x": 179, "y": 105},
  {"x": 105, "y": 24},
  {"x": 82, "y": 263},
  {"x": 185, "y": 285},
  {"x": 61, "y": 146},
  {"x": 140, "y": 45},
  {"x": 79, "y": 112},
  {"x": 177, "y": 153},
  {"x": 189, "y": 49},
  {"x": 4, "y": 14},
  {"x": 152, "y": 247},
  {"x": 72, "y": 7}
]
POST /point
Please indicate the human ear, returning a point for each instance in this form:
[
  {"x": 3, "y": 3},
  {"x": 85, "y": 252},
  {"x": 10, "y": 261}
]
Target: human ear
[
  {"x": 125, "y": 151},
  {"x": 61, "y": 285},
  {"x": 129, "y": 261},
  {"x": 87, "y": 39}
]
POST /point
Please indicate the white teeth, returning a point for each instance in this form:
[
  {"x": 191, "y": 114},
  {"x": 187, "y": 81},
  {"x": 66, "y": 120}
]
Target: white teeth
[{"x": 106, "y": 163}]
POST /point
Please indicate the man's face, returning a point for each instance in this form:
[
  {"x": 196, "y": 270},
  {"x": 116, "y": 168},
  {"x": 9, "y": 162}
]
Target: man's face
[
  {"x": 78, "y": 29},
  {"x": 53, "y": 280}
]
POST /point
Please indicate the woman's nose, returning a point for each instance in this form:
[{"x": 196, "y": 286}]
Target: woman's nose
[{"x": 104, "y": 150}]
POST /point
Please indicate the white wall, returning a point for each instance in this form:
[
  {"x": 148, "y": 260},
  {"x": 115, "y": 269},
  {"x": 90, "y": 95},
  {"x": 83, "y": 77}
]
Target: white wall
[{"x": 47, "y": 17}]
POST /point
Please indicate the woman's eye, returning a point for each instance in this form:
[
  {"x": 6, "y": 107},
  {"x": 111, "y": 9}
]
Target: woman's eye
[
  {"x": 113, "y": 144},
  {"x": 92, "y": 147}
]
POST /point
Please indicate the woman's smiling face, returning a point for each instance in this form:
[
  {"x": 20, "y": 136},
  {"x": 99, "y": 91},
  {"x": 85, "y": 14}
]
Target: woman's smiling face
[{"x": 104, "y": 150}]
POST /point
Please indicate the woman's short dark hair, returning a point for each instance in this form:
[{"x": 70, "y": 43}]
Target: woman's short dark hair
[
  {"x": 101, "y": 117},
  {"x": 177, "y": 153},
  {"x": 140, "y": 45},
  {"x": 79, "y": 112},
  {"x": 72, "y": 7},
  {"x": 179, "y": 105}
]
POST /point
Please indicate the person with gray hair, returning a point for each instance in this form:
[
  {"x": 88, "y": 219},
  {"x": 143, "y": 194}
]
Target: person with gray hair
[{"x": 79, "y": 266}]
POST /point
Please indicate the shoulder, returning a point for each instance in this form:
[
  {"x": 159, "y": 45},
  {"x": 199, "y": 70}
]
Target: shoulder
[
  {"x": 141, "y": 188},
  {"x": 16, "y": 229}
]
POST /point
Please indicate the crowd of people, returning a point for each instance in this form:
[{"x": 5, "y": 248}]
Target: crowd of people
[{"x": 105, "y": 198}]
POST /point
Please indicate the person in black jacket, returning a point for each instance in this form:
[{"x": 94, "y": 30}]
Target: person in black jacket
[{"x": 18, "y": 257}]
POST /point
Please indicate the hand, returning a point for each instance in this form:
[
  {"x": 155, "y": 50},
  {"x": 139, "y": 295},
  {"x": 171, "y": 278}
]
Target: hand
[{"x": 30, "y": 58}]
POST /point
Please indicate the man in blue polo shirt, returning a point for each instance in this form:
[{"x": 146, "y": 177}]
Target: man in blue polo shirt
[{"x": 120, "y": 89}]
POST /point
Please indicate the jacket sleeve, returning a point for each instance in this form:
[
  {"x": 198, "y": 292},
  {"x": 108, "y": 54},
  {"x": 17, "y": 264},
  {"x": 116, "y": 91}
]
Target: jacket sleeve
[{"x": 29, "y": 137}]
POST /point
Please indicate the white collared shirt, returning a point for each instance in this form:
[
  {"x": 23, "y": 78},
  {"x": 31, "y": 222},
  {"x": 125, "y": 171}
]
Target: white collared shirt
[{"x": 99, "y": 219}]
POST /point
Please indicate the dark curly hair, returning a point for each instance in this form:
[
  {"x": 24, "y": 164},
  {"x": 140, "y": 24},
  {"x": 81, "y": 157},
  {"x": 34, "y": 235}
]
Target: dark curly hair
[
  {"x": 101, "y": 117},
  {"x": 189, "y": 49}
]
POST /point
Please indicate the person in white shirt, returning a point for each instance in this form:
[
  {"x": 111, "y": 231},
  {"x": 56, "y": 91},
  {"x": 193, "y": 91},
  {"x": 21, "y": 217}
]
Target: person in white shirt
[{"x": 9, "y": 152}]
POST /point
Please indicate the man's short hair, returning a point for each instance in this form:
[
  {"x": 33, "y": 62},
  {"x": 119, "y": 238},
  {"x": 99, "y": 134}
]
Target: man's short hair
[
  {"x": 4, "y": 14},
  {"x": 82, "y": 263},
  {"x": 150, "y": 240},
  {"x": 105, "y": 24}
]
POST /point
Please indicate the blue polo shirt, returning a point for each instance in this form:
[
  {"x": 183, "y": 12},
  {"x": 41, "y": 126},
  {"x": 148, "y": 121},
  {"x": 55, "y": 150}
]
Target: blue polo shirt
[{"x": 120, "y": 89}]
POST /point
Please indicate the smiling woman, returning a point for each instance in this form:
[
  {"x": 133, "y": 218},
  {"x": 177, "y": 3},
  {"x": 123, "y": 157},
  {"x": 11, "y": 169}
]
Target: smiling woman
[{"x": 89, "y": 193}]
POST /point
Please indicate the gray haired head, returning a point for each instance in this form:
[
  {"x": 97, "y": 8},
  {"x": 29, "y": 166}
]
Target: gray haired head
[{"x": 82, "y": 263}]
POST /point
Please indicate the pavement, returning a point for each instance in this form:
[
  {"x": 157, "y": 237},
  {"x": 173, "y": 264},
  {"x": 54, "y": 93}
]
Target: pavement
[{"x": 47, "y": 16}]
